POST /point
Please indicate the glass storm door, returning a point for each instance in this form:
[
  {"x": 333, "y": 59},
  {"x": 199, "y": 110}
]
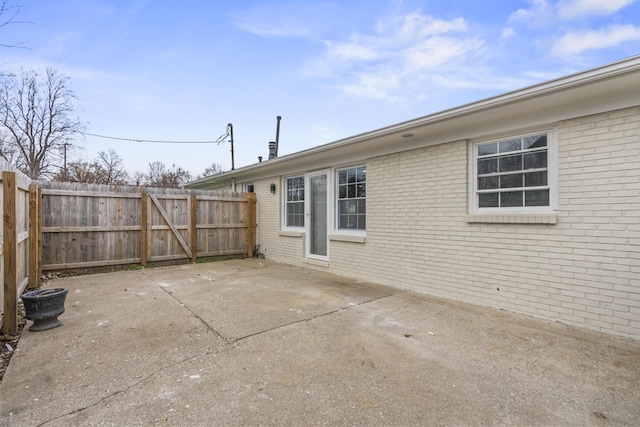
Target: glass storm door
[{"x": 317, "y": 215}]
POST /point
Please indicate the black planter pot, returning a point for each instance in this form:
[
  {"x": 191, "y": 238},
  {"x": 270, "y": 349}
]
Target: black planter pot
[{"x": 43, "y": 307}]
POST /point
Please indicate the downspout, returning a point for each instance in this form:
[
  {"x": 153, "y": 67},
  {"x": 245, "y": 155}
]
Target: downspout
[{"x": 233, "y": 185}]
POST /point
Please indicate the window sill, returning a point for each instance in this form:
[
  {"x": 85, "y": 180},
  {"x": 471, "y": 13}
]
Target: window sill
[
  {"x": 352, "y": 238},
  {"x": 290, "y": 233},
  {"x": 513, "y": 218}
]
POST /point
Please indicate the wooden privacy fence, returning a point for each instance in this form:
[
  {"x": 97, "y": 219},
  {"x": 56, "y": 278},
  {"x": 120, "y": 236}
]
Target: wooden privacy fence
[
  {"x": 20, "y": 242},
  {"x": 58, "y": 226},
  {"x": 93, "y": 225}
]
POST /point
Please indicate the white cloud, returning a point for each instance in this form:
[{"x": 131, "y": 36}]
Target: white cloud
[
  {"x": 415, "y": 26},
  {"x": 398, "y": 56},
  {"x": 354, "y": 50},
  {"x": 540, "y": 13},
  {"x": 507, "y": 33},
  {"x": 577, "y": 42},
  {"x": 438, "y": 51},
  {"x": 544, "y": 12},
  {"x": 574, "y": 8},
  {"x": 262, "y": 21}
]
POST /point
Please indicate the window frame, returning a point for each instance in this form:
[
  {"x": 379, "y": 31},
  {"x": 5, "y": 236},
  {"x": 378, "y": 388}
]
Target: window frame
[
  {"x": 552, "y": 175},
  {"x": 285, "y": 202},
  {"x": 336, "y": 202}
]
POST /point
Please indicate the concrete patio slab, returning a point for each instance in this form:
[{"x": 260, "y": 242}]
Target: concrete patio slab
[{"x": 251, "y": 342}]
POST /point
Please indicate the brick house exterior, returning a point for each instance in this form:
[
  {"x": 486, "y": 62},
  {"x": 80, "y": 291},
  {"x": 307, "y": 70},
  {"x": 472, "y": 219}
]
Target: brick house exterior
[{"x": 529, "y": 202}]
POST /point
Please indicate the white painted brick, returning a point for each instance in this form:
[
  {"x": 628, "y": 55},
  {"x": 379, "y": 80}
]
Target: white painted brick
[{"x": 584, "y": 270}]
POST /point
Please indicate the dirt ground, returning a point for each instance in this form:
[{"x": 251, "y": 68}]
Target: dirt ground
[{"x": 9, "y": 343}]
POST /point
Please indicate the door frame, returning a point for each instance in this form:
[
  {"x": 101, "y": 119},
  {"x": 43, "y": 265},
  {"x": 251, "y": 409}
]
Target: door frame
[{"x": 307, "y": 211}]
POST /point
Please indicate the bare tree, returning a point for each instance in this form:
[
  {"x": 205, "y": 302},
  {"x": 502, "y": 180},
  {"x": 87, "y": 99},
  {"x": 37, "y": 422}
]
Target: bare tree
[
  {"x": 138, "y": 178},
  {"x": 111, "y": 164},
  {"x": 36, "y": 117},
  {"x": 159, "y": 175},
  {"x": 107, "y": 169},
  {"x": 214, "y": 169},
  {"x": 78, "y": 171},
  {"x": 8, "y": 16}
]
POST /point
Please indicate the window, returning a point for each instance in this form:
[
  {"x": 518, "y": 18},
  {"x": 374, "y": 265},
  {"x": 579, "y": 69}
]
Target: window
[
  {"x": 294, "y": 202},
  {"x": 351, "y": 187},
  {"x": 248, "y": 188},
  {"x": 513, "y": 174}
]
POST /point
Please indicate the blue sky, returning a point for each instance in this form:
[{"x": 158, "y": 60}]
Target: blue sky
[{"x": 182, "y": 70}]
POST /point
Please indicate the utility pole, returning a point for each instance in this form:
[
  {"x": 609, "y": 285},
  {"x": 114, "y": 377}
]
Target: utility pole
[
  {"x": 65, "y": 163},
  {"x": 230, "y": 131}
]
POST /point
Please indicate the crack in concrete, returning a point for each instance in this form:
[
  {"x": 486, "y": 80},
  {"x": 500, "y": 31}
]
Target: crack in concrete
[
  {"x": 193, "y": 313},
  {"x": 129, "y": 387},
  {"x": 308, "y": 319},
  {"x": 84, "y": 408}
]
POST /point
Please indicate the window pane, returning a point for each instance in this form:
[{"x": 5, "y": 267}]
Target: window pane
[
  {"x": 361, "y": 174},
  {"x": 351, "y": 175},
  {"x": 351, "y": 193},
  {"x": 295, "y": 214},
  {"x": 488, "y": 183},
  {"x": 512, "y": 145},
  {"x": 488, "y": 200},
  {"x": 537, "y": 198},
  {"x": 535, "y": 141},
  {"x": 510, "y": 163},
  {"x": 487, "y": 149},
  {"x": 342, "y": 177},
  {"x": 510, "y": 181},
  {"x": 342, "y": 192},
  {"x": 362, "y": 219},
  {"x": 535, "y": 160},
  {"x": 295, "y": 189},
  {"x": 511, "y": 199},
  {"x": 360, "y": 190},
  {"x": 343, "y": 206},
  {"x": 487, "y": 166},
  {"x": 535, "y": 179},
  {"x": 362, "y": 207}
]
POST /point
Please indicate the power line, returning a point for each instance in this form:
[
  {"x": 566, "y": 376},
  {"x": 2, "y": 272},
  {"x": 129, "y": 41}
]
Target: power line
[{"x": 217, "y": 141}]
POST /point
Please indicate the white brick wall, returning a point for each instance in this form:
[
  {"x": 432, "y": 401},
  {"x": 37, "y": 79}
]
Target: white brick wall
[
  {"x": 286, "y": 249},
  {"x": 584, "y": 270}
]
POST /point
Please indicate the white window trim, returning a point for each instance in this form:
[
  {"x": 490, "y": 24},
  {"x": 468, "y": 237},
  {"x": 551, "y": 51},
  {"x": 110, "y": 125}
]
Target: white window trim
[
  {"x": 334, "y": 233},
  {"x": 283, "y": 186},
  {"x": 342, "y": 231},
  {"x": 552, "y": 176}
]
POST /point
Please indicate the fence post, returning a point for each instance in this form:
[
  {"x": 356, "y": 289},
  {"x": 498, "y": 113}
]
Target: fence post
[
  {"x": 144, "y": 245},
  {"x": 251, "y": 222},
  {"x": 39, "y": 232},
  {"x": 193, "y": 226},
  {"x": 10, "y": 252},
  {"x": 34, "y": 238}
]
